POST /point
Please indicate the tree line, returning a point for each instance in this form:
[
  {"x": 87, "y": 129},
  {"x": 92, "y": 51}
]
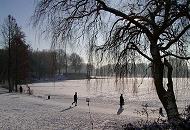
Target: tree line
[
  {"x": 20, "y": 64},
  {"x": 180, "y": 69},
  {"x": 29, "y": 65},
  {"x": 50, "y": 64}
]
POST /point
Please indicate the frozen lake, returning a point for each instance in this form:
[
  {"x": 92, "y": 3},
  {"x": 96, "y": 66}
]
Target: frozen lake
[{"x": 134, "y": 89}]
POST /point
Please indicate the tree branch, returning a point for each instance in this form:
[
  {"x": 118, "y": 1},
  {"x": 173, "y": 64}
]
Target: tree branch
[
  {"x": 179, "y": 57},
  {"x": 127, "y": 17},
  {"x": 176, "y": 38},
  {"x": 134, "y": 47}
]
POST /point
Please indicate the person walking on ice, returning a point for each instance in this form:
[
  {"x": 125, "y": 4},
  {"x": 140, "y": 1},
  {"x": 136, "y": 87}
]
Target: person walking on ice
[
  {"x": 75, "y": 99},
  {"x": 121, "y": 101}
]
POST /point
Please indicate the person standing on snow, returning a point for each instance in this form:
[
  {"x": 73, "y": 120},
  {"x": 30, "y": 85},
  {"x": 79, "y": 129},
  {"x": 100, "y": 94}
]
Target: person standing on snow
[
  {"x": 121, "y": 101},
  {"x": 75, "y": 99}
]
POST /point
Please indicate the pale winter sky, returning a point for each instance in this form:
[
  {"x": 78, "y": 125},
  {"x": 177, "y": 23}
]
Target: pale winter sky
[{"x": 22, "y": 11}]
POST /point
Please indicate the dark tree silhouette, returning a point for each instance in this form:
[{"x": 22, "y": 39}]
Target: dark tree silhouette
[
  {"x": 153, "y": 29},
  {"x": 43, "y": 64},
  {"x": 61, "y": 58},
  {"x": 14, "y": 40},
  {"x": 8, "y": 31},
  {"x": 19, "y": 59},
  {"x": 75, "y": 62},
  {"x": 3, "y": 65}
]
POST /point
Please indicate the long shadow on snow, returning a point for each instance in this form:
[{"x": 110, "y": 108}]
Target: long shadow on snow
[
  {"x": 67, "y": 108},
  {"x": 120, "y": 110}
]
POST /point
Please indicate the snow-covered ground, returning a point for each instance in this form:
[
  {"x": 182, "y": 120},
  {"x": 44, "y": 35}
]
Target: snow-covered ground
[
  {"x": 24, "y": 112},
  {"x": 35, "y": 112},
  {"x": 139, "y": 89}
]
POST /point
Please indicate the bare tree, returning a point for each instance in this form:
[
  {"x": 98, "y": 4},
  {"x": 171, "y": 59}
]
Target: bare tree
[
  {"x": 8, "y": 31},
  {"x": 75, "y": 62},
  {"x": 14, "y": 40},
  {"x": 153, "y": 29},
  {"x": 61, "y": 58}
]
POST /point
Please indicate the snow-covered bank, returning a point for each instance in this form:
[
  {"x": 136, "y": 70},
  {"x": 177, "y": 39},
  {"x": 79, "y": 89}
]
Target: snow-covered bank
[{"x": 24, "y": 112}]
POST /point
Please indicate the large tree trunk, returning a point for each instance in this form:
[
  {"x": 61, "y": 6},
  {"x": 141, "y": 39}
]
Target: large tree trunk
[{"x": 166, "y": 97}]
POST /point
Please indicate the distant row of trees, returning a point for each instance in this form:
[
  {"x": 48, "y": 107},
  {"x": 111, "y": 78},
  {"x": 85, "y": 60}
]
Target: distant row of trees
[
  {"x": 27, "y": 64},
  {"x": 180, "y": 69},
  {"x": 47, "y": 63},
  {"x": 30, "y": 65},
  {"x": 20, "y": 64}
]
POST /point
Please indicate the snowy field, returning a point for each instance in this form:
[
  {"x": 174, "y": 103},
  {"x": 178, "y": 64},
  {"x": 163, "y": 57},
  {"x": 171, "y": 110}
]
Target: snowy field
[
  {"x": 139, "y": 89},
  {"x": 35, "y": 112}
]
